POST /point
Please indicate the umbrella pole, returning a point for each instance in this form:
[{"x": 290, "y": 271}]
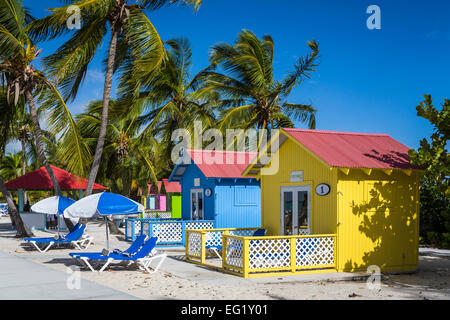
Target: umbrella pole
[
  {"x": 57, "y": 221},
  {"x": 107, "y": 238}
]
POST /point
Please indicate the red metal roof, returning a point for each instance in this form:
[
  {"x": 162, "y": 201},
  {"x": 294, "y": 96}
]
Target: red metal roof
[
  {"x": 354, "y": 150},
  {"x": 39, "y": 179},
  {"x": 221, "y": 164},
  {"x": 172, "y": 186}
]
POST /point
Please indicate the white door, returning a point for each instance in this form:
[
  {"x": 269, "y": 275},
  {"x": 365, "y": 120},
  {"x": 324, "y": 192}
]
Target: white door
[
  {"x": 295, "y": 210},
  {"x": 197, "y": 204}
]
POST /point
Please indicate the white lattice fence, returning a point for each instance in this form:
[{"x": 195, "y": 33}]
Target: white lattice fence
[
  {"x": 234, "y": 248},
  {"x": 149, "y": 215},
  {"x": 213, "y": 238},
  {"x": 165, "y": 215},
  {"x": 314, "y": 251},
  {"x": 129, "y": 234},
  {"x": 199, "y": 225},
  {"x": 194, "y": 241},
  {"x": 167, "y": 232},
  {"x": 270, "y": 253}
]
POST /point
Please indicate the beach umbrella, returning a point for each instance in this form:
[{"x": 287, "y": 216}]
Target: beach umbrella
[
  {"x": 53, "y": 205},
  {"x": 103, "y": 204}
]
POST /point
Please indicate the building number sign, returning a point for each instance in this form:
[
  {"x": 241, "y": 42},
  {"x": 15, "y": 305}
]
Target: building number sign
[{"x": 323, "y": 189}]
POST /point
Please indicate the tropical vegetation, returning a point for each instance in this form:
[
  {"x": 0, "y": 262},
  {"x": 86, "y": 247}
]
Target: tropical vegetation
[
  {"x": 433, "y": 156},
  {"x": 126, "y": 142}
]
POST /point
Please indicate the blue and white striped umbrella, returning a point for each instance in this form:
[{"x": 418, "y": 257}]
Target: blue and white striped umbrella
[
  {"x": 103, "y": 204},
  {"x": 53, "y": 205}
]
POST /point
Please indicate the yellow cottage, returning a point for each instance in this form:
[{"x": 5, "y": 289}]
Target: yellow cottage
[{"x": 359, "y": 189}]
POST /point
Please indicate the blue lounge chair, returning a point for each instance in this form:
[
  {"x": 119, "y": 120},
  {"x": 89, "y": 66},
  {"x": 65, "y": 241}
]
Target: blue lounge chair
[
  {"x": 142, "y": 257},
  {"x": 216, "y": 249},
  {"x": 75, "y": 237},
  {"x": 135, "y": 246}
]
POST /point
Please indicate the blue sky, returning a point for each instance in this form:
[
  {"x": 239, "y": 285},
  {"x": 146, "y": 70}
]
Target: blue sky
[{"x": 367, "y": 81}]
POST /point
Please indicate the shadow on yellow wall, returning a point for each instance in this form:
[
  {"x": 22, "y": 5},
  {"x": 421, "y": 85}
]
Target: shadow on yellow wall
[{"x": 385, "y": 227}]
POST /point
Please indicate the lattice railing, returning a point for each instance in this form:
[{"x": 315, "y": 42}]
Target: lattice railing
[
  {"x": 250, "y": 256},
  {"x": 169, "y": 232},
  {"x": 194, "y": 247},
  {"x": 211, "y": 238},
  {"x": 234, "y": 249},
  {"x": 318, "y": 251},
  {"x": 269, "y": 253}
]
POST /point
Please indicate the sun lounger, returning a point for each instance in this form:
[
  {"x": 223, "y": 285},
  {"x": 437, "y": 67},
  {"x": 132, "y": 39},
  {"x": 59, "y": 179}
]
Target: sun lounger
[
  {"x": 75, "y": 237},
  {"x": 143, "y": 257},
  {"x": 216, "y": 249},
  {"x": 134, "y": 247}
]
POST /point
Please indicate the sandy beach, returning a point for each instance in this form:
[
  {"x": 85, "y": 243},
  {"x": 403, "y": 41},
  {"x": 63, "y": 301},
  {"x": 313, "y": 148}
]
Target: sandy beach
[{"x": 178, "y": 279}]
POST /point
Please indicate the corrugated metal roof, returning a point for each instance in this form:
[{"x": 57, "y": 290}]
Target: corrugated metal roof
[
  {"x": 171, "y": 186},
  {"x": 39, "y": 179},
  {"x": 354, "y": 150},
  {"x": 221, "y": 164}
]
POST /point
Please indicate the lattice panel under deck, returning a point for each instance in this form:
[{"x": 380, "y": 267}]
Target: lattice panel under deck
[
  {"x": 234, "y": 250},
  {"x": 271, "y": 253},
  {"x": 165, "y": 215},
  {"x": 199, "y": 225},
  {"x": 315, "y": 251},
  {"x": 167, "y": 232},
  {"x": 149, "y": 215},
  {"x": 195, "y": 244}
]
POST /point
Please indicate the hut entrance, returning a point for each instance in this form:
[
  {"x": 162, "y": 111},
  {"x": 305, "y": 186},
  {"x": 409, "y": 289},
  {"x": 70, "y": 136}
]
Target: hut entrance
[
  {"x": 295, "y": 210},
  {"x": 197, "y": 204}
]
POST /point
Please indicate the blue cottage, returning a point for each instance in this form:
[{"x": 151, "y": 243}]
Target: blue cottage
[{"x": 212, "y": 188}]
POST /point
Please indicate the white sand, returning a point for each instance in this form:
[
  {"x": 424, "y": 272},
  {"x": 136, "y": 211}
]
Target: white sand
[{"x": 182, "y": 280}]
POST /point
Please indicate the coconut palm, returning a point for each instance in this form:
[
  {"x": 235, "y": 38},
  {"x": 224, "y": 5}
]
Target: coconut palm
[
  {"x": 10, "y": 166},
  {"x": 24, "y": 81},
  {"x": 131, "y": 35},
  {"x": 170, "y": 100},
  {"x": 127, "y": 162},
  {"x": 251, "y": 97}
]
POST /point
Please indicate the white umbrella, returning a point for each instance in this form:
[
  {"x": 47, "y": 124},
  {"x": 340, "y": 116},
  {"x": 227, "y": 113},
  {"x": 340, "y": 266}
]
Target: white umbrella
[
  {"x": 53, "y": 205},
  {"x": 103, "y": 204}
]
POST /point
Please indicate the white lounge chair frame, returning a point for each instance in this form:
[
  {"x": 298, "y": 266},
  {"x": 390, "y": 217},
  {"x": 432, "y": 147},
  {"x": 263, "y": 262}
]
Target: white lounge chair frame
[
  {"x": 142, "y": 263},
  {"x": 81, "y": 244}
]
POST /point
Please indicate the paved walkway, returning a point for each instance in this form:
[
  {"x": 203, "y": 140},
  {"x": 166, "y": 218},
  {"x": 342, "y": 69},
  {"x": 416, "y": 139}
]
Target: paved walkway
[{"x": 24, "y": 279}]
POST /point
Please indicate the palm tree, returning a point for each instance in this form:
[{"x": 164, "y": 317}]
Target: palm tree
[
  {"x": 172, "y": 99},
  {"x": 132, "y": 36},
  {"x": 10, "y": 166},
  {"x": 251, "y": 97},
  {"x": 23, "y": 80},
  {"x": 128, "y": 160}
]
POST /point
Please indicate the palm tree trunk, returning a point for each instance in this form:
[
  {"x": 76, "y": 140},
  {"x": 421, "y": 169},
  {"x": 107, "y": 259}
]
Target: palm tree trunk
[
  {"x": 24, "y": 158},
  {"x": 40, "y": 150},
  {"x": 104, "y": 121},
  {"x": 22, "y": 229},
  {"x": 39, "y": 142}
]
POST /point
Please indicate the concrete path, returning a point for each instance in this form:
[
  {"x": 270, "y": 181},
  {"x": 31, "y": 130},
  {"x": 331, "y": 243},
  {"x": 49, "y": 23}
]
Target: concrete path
[
  {"x": 442, "y": 253},
  {"x": 175, "y": 264},
  {"x": 24, "y": 279}
]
